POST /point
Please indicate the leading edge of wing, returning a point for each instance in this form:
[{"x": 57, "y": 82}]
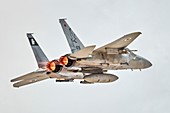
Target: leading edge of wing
[{"x": 120, "y": 43}]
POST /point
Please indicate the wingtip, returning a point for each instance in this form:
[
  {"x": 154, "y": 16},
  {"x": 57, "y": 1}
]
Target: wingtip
[{"x": 138, "y": 32}]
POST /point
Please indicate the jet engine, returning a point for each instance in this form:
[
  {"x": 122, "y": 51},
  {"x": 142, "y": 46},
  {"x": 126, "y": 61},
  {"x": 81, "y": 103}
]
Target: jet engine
[
  {"x": 66, "y": 61},
  {"x": 54, "y": 66},
  {"x": 99, "y": 78}
]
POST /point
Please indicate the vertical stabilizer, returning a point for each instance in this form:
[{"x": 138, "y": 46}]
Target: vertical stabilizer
[
  {"x": 38, "y": 53},
  {"x": 74, "y": 43}
]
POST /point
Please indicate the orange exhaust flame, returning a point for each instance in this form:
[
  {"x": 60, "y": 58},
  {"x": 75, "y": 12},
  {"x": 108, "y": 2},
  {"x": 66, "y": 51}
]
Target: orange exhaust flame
[
  {"x": 52, "y": 65},
  {"x": 63, "y": 60}
]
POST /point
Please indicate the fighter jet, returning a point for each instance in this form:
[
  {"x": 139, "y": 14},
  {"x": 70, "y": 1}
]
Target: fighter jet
[
  {"x": 112, "y": 56},
  {"x": 85, "y": 63}
]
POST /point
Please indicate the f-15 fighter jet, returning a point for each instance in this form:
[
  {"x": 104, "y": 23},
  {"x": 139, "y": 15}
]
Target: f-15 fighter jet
[{"x": 86, "y": 63}]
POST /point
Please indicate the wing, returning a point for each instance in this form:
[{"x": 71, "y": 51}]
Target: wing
[
  {"x": 83, "y": 53},
  {"x": 41, "y": 58},
  {"x": 30, "y": 78},
  {"x": 120, "y": 43},
  {"x": 73, "y": 41}
]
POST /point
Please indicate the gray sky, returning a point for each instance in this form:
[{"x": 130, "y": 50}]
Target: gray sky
[{"x": 95, "y": 22}]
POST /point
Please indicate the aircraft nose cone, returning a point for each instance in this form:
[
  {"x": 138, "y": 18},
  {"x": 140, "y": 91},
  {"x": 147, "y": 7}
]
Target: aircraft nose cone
[{"x": 147, "y": 64}]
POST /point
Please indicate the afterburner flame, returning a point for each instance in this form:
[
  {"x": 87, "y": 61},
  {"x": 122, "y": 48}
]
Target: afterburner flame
[
  {"x": 52, "y": 65},
  {"x": 64, "y": 60}
]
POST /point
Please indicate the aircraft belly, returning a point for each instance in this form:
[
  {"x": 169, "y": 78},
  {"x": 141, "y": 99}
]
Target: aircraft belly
[{"x": 71, "y": 73}]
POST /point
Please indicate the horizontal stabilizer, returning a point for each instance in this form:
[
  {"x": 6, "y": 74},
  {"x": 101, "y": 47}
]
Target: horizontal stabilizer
[
  {"x": 84, "y": 53},
  {"x": 122, "y": 42},
  {"x": 29, "y": 81},
  {"x": 30, "y": 78}
]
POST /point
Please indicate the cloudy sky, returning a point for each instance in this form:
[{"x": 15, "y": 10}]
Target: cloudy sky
[{"x": 95, "y": 22}]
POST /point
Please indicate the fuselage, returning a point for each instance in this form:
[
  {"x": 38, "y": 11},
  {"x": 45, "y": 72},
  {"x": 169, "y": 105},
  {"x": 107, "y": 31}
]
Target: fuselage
[{"x": 127, "y": 60}]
